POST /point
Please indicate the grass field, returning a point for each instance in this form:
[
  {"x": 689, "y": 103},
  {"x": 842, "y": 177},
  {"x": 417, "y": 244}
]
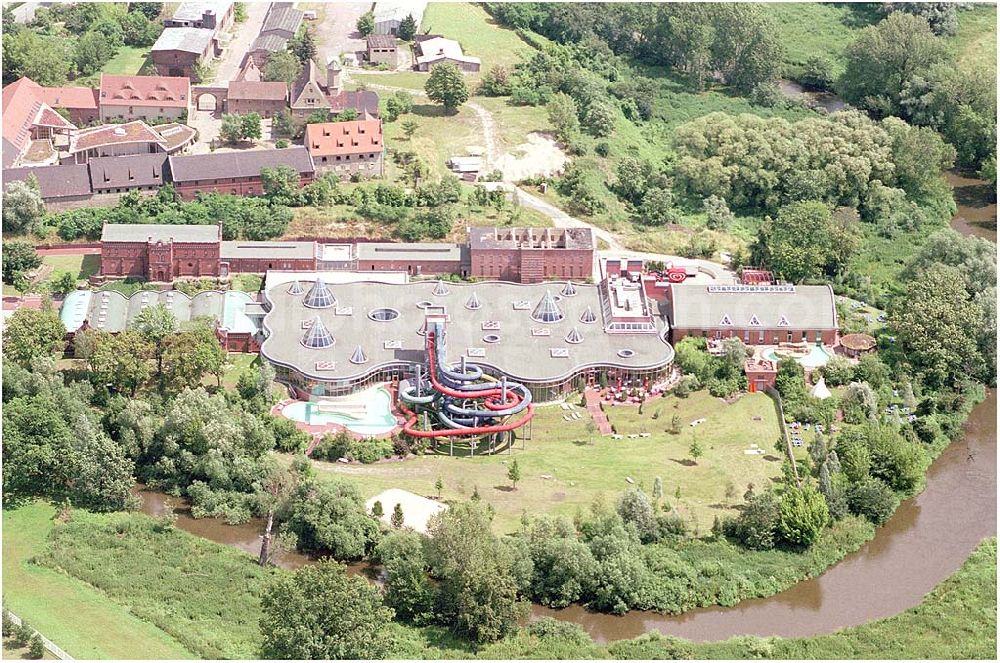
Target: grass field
[
  {"x": 80, "y": 266},
  {"x": 976, "y": 41},
  {"x": 814, "y": 29},
  {"x": 413, "y": 80},
  {"x": 584, "y": 466},
  {"x": 129, "y": 60},
  {"x": 477, "y": 32},
  {"x": 74, "y": 615}
]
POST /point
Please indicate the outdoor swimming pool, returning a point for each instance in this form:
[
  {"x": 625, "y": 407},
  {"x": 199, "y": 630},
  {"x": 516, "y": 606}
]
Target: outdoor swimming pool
[
  {"x": 818, "y": 356},
  {"x": 378, "y": 420}
]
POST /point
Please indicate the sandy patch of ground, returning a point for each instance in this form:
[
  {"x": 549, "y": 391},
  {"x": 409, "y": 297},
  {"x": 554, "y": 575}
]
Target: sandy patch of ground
[
  {"x": 417, "y": 510},
  {"x": 538, "y": 156}
]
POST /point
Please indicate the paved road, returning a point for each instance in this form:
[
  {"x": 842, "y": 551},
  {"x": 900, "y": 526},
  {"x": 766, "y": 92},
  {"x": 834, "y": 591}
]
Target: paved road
[
  {"x": 337, "y": 32},
  {"x": 243, "y": 35}
]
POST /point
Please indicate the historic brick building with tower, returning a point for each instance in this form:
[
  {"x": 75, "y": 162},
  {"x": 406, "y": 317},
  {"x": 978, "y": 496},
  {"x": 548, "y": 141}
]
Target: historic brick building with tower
[{"x": 159, "y": 252}]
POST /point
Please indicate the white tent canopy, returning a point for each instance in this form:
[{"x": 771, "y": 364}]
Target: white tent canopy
[{"x": 821, "y": 391}]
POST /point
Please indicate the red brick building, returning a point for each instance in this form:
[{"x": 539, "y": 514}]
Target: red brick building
[
  {"x": 263, "y": 97},
  {"x": 243, "y": 257},
  {"x": 757, "y": 314},
  {"x": 236, "y": 173},
  {"x": 158, "y": 252},
  {"x": 414, "y": 259},
  {"x": 531, "y": 255}
]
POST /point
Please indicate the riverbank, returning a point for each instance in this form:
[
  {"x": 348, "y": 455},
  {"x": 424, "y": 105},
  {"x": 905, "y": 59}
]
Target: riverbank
[{"x": 977, "y": 205}]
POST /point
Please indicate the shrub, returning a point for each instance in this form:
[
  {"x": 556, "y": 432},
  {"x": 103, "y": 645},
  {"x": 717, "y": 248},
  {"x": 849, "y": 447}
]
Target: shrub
[{"x": 873, "y": 499}]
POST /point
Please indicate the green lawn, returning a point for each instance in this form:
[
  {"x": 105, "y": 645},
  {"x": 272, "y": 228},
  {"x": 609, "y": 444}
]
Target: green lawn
[
  {"x": 976, "y": 41},
  {"x": 477, "y": 32},
  {"x": 80, "y": 266},
  {"x": 582, "y": 466},
  {"x": 129, "y": 60},
  {"x": 823, "y": 29},
  {"x": 71, "y": 613},
  {"x": 413, "y": 80}
]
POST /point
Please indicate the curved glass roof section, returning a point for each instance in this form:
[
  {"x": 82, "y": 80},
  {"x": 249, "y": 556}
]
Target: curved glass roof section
[
  {"x": 588, "y": 316},
  {"x": 569, "y": 290},
  {"x": 295, "y": 288},
  {"x": 319, "y": 296},
  {"x": 547, "y": 310},
  {"x": 317, "y": 336}
]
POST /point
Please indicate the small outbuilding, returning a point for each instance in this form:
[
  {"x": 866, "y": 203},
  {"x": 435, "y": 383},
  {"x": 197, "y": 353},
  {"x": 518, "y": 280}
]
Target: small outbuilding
[
  {"x": 382, "y": 50},
  {"x": 856, "y": 345}
]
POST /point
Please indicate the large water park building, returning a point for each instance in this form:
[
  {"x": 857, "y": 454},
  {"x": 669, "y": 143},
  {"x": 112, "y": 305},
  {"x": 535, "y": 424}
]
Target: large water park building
[{"x": 328, "y": 341}]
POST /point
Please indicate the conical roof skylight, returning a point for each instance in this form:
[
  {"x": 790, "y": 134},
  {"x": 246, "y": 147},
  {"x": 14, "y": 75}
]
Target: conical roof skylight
[
  {"x": 547, "y": 310},
  {"x": 569, "y": 290},
  {"x": 588, "y": 316},
  {"x": 473, "y": 304},
  {"x": 359, "y": 356},
  {"x": 319, "y": 296},
  {"x": 295, "y": 288},
  {"x": 440, "y": 289},
  {"x": 574, "y": 336},
  {"x": 317, "y": 336}
]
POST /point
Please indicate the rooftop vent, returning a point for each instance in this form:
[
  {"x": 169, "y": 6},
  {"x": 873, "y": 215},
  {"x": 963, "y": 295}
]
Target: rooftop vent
[
  {"x": 473, "y": 304},
  {"x": 295, "y": 288},
  {"x": 547, "y": 310},
  {"x": 317, "y": 336},
  {"x": 319, "y": 296},
  {"x": 574, "y": 336},
  {"x": 359, "y": 356},
  {"x": 118, "y": 131}
]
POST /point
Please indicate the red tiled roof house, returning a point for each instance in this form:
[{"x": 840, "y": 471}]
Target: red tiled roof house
[
  {"x": 345, "y": 148},
  {"x": 144, "y": 97}
]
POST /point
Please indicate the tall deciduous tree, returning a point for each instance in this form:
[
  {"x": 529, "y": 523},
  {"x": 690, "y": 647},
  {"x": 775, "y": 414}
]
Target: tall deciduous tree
[
  {"x": 282, "y": 66},
  {"x": 446, "y": 86},
  {"x": 885, "y": 57},
  {"x": 18, "y": 257},
  {"x": 22, "y": 206},
  {"x": 31, "y": 333},
  {"x": 122, "y": 360},
  {"x": 804, "y": 241},
  {"x": 319, "y": 612},
  {"x": 407, "y": 28},
  {"x": 155, "y": 324},
  {"x": 366, "y": 24},
  {"x": 804, "y": 514}
]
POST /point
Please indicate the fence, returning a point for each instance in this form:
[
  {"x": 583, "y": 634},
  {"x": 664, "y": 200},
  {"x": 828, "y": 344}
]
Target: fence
[
  {"x": 51, "y": 646},
  {"x": 776, "y": 397}
]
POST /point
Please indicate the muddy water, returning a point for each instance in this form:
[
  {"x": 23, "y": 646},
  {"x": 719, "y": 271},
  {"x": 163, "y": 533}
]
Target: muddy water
[
  {"x": 925, "y": 541},
  {"x": 977, "y": 207},
  {"x": 826, "y": 100}
]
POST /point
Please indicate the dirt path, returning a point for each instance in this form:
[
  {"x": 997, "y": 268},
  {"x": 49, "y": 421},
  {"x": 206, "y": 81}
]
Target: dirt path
[{"x": 490, "y": 139}]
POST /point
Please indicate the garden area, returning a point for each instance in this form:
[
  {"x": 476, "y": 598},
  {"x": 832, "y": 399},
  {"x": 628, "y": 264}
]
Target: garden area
[{"x": 566, "y": 466}]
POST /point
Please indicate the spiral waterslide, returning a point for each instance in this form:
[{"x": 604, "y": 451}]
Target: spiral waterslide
[{"x": 461, "y": 400}]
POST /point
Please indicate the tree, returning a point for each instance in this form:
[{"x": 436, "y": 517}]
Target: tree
[
  {"x": 283, "y": 67},
  {"x": 396, "y": 519},
  {"x": 478, "y": 592},
  {"x": 657, "y": 489},
  {"x": 137, "y": 30},
  {"x": 319, "y": 612},
  {"x": 635, "y": 508},
  {"x": 250, "y": 127},
  {"x": 45, "y": 60},
  {"x": 599, "y": 119},
  {"x": 92, "y": 51},
  {"x": 409, "y": 128},
  {"x": 122, "y": 360},
  {"x": 757, "y": 525},
  {"x": 231, "y": 130},
  {"x": 151, "y": 10},
  {"x": 872, "y": 499},
  {"x": 695, "y": 450},
  {"x": 884, "y": 57},
  {"x": 303, "y": 46},
  {"x": 240, "y": 12},
  {"x": 366, "y": 24},
  {"x": 804, "y": 514},
  {"x": 407, "y": 28},
  {"x": 155, "y": 324},
  {"x": 919, "y": 154},
  {"x": 805, "y": 242},
  {"x": 330, "y": 517},
  {"x": 563, "y": 117},
  {"x": 514, "y": 473},
  {"x": 747, "y": 49},
  {"x": 408, "y": 590},
  {"x": 657, "y": 208},
  {"x": 496, "y": 82},
  {"x": 446, "y": 86},
  {"x": 439, "y": 486},
  {"x": 23, "y": 207},
  {"x": 31, "y": 333},
  {"x": 18, "y": 257},
  {"x": 191, "y": 354},
  {"x": 934, "y": 323},
  {"x": 718, "y": 216},
  {"x": 281, "y": 182},
  {"x": 378, "y": 510}
]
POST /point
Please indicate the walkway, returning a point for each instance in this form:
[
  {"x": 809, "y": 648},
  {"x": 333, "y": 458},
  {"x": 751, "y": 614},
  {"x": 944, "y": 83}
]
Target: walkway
[{"x": 593, "y": 399}]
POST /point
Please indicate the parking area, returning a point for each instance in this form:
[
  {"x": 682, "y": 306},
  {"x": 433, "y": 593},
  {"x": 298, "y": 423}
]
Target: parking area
[{"x": 336, "y": 27}]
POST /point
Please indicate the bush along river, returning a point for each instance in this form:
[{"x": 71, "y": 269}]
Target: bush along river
[{"x": 925, "y": 541}]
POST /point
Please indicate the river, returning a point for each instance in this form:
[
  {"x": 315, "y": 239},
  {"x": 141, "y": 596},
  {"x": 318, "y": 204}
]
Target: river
[
  {"x": 977, "y": 206},
  {"x": 926, "y": 540}
]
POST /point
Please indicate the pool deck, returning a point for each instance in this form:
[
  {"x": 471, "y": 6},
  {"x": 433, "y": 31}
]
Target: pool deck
[{"x": 319, "y": 430}]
